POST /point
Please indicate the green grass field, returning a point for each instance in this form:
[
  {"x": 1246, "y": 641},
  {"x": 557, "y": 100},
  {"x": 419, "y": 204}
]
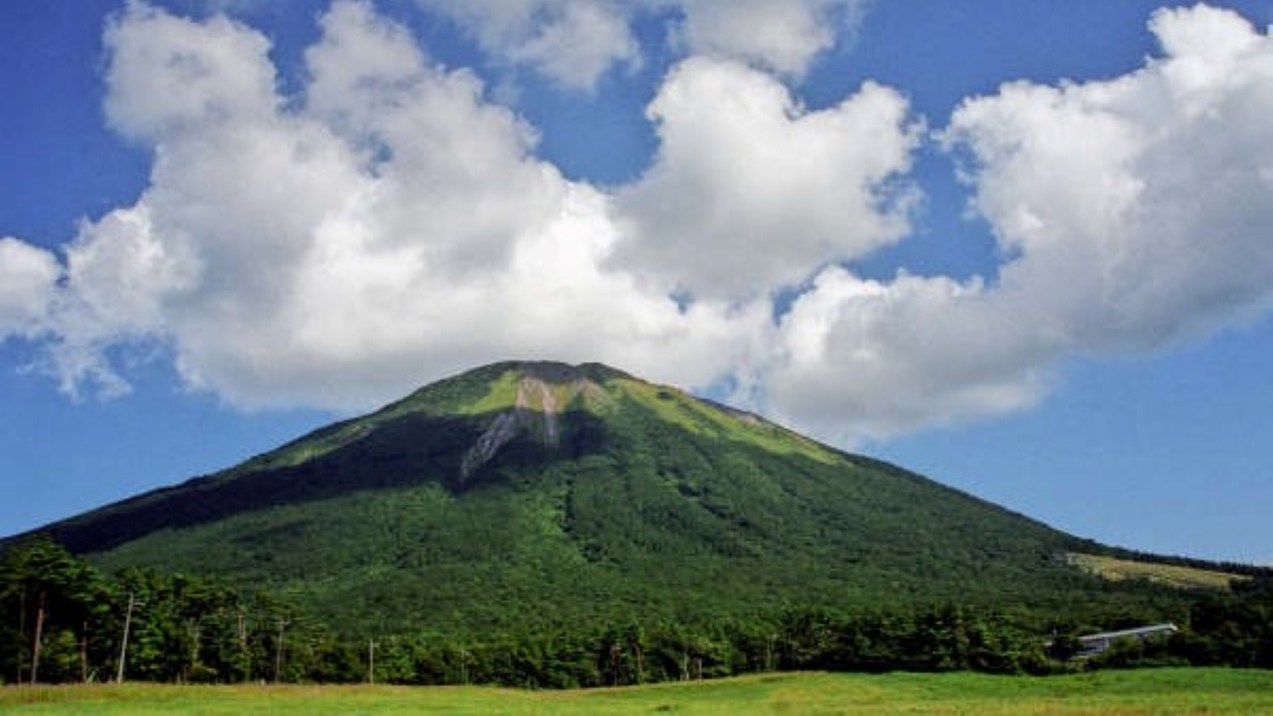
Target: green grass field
[{"x": 1160, "y": 691}]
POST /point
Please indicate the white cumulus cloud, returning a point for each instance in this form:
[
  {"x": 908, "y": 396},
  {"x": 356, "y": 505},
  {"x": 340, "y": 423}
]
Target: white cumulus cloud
[
  {"x": 750, "y": 191},
  {"x": 1132, "y": 213},
  {"x": 388, "y": 224},
  {"x": 858, "y": 358},
  {"x": 388, "y": 229},
  {"x": 1140, "y": 206}
]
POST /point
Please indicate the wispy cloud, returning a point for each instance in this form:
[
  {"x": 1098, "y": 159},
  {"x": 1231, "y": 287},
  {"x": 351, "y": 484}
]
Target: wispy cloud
[
  {"x": 573, "y": 42},
  {"x": 782, "y": 37},
  {"x": 576, "y": 42}
]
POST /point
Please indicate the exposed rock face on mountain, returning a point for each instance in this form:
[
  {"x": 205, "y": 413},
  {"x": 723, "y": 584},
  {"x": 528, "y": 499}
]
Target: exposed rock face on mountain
[{"x": 554, "y": 494}]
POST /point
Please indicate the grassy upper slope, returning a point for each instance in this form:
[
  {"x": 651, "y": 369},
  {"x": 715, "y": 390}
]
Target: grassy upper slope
[{"x": 1182, "y": 577}]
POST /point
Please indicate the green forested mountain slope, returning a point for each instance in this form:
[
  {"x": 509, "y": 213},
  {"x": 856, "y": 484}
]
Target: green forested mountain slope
[{"x": 532, "y": 496}]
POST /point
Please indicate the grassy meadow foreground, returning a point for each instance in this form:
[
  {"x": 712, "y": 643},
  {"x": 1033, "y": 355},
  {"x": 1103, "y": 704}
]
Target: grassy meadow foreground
[{"x": 1151, "y": 691}]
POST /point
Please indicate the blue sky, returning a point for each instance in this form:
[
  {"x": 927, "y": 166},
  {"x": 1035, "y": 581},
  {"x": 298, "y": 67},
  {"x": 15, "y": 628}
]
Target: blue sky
[{"x": 1021, "y": 248}]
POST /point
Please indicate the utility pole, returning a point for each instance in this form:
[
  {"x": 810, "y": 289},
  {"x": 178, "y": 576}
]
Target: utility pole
[
  {"x": 371, "y": 661},
  {"x": 39, "y": 633},
  {"x": 123, "y": 647},
  {"x": 22, "y": 633},
  {"x": 278, "y": 650},
  {"x": 244, "y": 657},
  {"x": 84, "y": 653}
]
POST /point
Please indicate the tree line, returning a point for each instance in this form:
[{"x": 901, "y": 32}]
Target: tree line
[
  {"x": 65, "y": 621},
  {"x": 62, "y": 620}
]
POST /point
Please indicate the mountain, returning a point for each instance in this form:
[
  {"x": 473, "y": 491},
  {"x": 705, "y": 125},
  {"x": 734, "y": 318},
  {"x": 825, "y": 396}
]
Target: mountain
[{"x": 530, "y": 496}]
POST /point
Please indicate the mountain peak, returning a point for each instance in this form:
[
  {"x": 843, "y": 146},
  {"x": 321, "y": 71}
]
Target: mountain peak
[
  {"x": 559, "y": 373},
  {"x": 549, "y": 387},
  {"x": 541, "y": 385},
  {"x": 530, "y": 398}
]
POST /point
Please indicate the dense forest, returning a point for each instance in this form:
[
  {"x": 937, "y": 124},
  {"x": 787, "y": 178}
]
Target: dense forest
[{"x": 63, "y": 620}]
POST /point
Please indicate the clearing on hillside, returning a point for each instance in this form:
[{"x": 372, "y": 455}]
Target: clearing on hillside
[{"x": 1178, "y": 576}]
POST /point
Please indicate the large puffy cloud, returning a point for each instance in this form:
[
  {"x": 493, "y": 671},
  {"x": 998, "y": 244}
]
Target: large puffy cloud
[
  {"x": 859, "y": 358},
  {"x": 1132, "y": 213},
  {"x": 1140, "y": 207},
  {"x": 388, "y": 227},
  {"x": 750, "y": 191}
]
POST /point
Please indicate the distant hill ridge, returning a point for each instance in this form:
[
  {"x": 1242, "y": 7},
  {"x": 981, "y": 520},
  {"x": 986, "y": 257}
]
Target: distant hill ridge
[{"x": 529, "y": 495}]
